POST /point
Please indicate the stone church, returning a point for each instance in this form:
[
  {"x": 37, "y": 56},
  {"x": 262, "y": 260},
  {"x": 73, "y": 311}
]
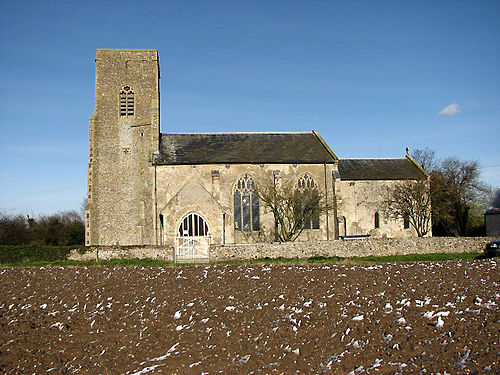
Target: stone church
[{"x": 189, "y": 191}]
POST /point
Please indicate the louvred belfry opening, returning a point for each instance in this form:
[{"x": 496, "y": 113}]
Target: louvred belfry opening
[{"x": 127, "y": 104}]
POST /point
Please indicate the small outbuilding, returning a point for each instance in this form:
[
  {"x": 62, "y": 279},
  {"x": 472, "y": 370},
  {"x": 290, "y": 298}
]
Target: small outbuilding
[{"x": 492, "y": 216}]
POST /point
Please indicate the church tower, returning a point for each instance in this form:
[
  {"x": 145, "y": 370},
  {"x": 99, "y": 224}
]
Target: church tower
[{"x": 124, "y": 133}]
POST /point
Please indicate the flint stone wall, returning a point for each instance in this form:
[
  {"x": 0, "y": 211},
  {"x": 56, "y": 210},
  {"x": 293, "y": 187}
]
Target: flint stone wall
[
  {"x": 340, "y": 248},
  {"x": 351, "y": 248},
  {"x": 165, "y": 253}
]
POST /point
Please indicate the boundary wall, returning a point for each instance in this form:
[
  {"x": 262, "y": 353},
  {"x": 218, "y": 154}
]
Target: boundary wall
[{"x": 339, "y": 248}]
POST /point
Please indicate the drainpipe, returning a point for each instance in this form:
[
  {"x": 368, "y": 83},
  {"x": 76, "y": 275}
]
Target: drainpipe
[
  {"x": 335, "y": 208},
  {"x": 155, "y": 221},
  {"x": 326, "y": 203},
  {"x": 224, "y": 229}
]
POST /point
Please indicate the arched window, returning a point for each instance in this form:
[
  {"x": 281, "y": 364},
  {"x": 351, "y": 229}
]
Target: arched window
[
  {"x": 127, "y": 102},
  {"x": 377, "y": 220},
  {"x": 306, "y": 182},
  {"x": 246, "y": 206}
]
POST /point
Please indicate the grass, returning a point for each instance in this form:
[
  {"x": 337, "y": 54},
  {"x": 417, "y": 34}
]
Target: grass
[
  {"x": 89, "y": 263},
  {"x": 311, "y": 260}
]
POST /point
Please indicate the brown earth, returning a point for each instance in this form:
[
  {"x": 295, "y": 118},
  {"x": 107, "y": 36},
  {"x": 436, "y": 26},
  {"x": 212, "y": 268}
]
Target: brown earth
[{"x": 260, "y": 319}]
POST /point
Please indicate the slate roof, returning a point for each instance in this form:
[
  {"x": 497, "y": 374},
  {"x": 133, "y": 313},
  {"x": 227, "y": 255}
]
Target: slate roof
[
  {"x": 244, "y": 148},
  {"x": 379, "y": 169}
]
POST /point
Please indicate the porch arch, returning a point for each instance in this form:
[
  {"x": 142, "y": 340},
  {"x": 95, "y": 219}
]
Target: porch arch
[
  {"x": 192, "y": 243},
  {"x": 193, "y": 225}
]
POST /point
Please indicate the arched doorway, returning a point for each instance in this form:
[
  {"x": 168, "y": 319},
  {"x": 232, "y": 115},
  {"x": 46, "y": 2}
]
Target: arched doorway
[{"x": 193, "y": 240}]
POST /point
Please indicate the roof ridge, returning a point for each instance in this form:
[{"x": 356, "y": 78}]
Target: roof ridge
[
  {"x": 394, "y": 158},
  {"x": 215, "y": 133}
]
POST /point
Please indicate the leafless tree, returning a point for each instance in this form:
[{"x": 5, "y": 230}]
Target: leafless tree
[
  {"x": 410, "y": 200},
  {"x": 457, "y": 194},
  {"x": 455, "y": 187},
  {"x": 426, "y": 158},
  {"x": 294, "y": 208},
  {"x": 83, "y": 208}
]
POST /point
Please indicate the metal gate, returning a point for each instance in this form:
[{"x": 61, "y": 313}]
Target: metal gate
[{"x": 192, "y": 244}]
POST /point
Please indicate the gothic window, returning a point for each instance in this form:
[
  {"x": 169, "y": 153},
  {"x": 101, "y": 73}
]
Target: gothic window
[
  {"x": 246, "y": 206},
  {"x": 377, "y": 220},
  {"x": 126, "y": 101},
  {"x": 306, "y": 182}
]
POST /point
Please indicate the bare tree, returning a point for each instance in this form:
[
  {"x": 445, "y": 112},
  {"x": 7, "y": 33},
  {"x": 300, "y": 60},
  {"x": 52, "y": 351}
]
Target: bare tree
[
  {"x": 294, "y": 208},
  {"x": 426, "y": 158},
  {"x": 410, "y": 200},
  {"x": 83, "y": 208},
  {"x": 456, "y": 194},
  {"x": 455, "y": 188}
]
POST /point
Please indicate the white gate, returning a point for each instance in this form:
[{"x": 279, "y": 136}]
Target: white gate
[{"x": 193, "y": 240}]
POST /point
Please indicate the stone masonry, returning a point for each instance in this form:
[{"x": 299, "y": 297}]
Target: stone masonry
[
  {"x": 120, "y": 174},
  {"x": 339, "y": 248}
]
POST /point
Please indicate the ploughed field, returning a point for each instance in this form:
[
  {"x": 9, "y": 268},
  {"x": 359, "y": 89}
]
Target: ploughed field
[{"x": 404, "y": 318}]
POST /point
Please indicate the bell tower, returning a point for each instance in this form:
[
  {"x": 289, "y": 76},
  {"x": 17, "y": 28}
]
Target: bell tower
[{"x": 124, "y": 133}]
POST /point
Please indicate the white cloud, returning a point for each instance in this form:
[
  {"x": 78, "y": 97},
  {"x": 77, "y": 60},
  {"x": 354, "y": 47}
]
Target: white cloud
[{"x": 450, "y": 110}]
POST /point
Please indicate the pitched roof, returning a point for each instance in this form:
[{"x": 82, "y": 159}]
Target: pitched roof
[
  {"x": 244, "y": 148},
  {"x": 379, "y": 169}
]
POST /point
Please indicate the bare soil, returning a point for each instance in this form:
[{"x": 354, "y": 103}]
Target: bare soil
[{"x": 405, "y": 318}]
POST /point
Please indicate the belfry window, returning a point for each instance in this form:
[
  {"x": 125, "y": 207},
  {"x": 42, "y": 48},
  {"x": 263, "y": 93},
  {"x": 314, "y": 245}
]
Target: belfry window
[
  {"x": 246, "y": 206},
  {"x": 307, "y": 183},
  {"x": 127, "y": 104}
]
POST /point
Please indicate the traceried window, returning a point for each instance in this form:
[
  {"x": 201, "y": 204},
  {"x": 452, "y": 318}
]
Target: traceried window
[
  {"x": 127, "y": 104},
  {"x": 246, "y": 206},
  {"x": 306, "y": 182}
]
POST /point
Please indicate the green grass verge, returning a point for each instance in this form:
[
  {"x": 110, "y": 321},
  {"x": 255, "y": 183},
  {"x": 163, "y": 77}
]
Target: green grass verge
[
  {"x": 88, "y": 263},
  {"x": 311, "y": 260}
]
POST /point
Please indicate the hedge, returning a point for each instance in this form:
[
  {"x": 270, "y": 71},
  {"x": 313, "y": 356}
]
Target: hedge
[{"x": 35, "y": 253}]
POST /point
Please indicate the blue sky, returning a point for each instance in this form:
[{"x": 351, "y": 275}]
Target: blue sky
[{"x": 370, "y": 76}]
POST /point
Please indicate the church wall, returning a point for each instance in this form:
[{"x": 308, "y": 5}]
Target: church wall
[
  {"x": 358, "y": 201},
  {"x": 208, "y": 191},
  {"x": 131, "y": 201}
]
